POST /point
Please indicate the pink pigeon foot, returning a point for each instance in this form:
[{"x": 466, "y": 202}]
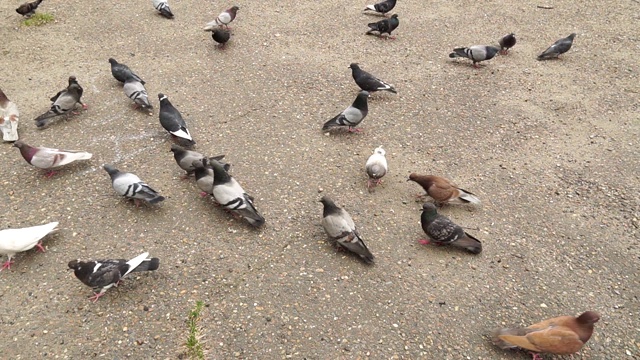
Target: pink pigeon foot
[
  {"x": 84, "y": 106},
  {"x": 49, "y": 174},
  {"x": 97, "y": 296},
  {"x": 136, "y": 202},
  {"x": 424, "y": 242},
  {"x": 355, "y": 130},
  {"x": 7, "y": 265},
  {"x": 40, "y": 247},
  {"x": 535, "y": 356},
  {"x": 476, "y": 66},
  {"x": 185, "y": 177},
  {"x": 203, "y": 194}
]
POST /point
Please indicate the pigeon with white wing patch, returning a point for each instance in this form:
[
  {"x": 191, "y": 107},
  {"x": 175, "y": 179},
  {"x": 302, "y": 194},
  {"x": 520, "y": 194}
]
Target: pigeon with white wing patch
[
  {"x": 163, "y": 8},
  {"x": 130, "y": 186},
  {"x": 376, "y": 167},
  {"x": 368, "y": 82},
  {"x": 172, "y": 121},
  {"x": 351, "y": 116},
  {"x": 8, "y": 118},
  {"x": 47, "y": 158},
  {"x": 228, "y": 193},
  {"x": 382, "y": 7},
  {"x": 101, "y": 275},
  {"x": 13, "y": 241},
  {"x": 475, "y": 53},
  {"x": 341, "y": 229}
]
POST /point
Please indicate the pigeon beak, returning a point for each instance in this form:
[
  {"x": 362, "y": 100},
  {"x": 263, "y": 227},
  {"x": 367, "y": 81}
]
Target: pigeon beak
[{"x": 409, "y": 179}]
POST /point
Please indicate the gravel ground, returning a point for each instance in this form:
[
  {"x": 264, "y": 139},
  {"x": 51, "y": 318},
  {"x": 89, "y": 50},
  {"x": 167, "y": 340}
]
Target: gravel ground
[{"x": 550, "y": 147}]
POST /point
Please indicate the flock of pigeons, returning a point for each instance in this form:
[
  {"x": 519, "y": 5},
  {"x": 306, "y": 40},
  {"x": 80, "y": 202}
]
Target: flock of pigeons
[{"x": 562, "y": 335}]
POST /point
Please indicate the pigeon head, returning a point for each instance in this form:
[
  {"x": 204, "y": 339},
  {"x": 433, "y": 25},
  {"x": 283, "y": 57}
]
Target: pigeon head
[
  {"x": 380, "y": 151},
  {"x": 233, "y": 9},
  {"x": 588, "y": 318},
  {"x": 162, "y": 97},
  {"x": 74, "y": 264},
  {"x": 354, "y": 66},
  {"x": 413, "y": 177},
  {"x": 110, "y": 169},
  {"x": 394, "y": 16},
  {"x": 112, "y": 61},
  {"x": 572, "y": 36},
  {"x": 429, "y": 208},
  {"x": 19, "y": 144},
  {"x": 72, "y": 79}
]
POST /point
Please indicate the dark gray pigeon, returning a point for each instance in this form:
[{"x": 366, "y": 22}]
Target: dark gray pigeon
[
  {"x": 507, "y": 42},
  {"x": 163, "y": 8},
  {"x": 351, "y": 116},
  {"x": 63, "y": 102},
  {"x": 442, "y": 231},
  {"x": 341, "y": 229},
  {"x": 101, "y": 275},
  {"x": 28, "y": 9},
  {"x": 185, "y": 158},
  {"x": 382, "y": 7},
  {"x": 136, "y": 92},
  {"x": 220, "y": 36},
  {"x": 385, "y": 26},
  {"x": 369, "y": 82},
  {"x": 171, "y": 120},
  {"x": 475, "y": 53},
  {"x": 228, "y": 193},
  {"x": 130, "y": 186},
  {"x": 122, "y": 73},
  {"x": 559, "y": 47},
  {"x": 204, "y": 173}
]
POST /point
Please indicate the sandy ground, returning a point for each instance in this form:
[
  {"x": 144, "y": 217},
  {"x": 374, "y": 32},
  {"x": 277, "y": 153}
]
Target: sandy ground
[{"x": 551, "y": 148}]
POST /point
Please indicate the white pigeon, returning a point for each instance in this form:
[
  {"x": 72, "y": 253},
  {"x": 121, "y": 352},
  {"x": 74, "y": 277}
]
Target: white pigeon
[
  {"x": 8, "y": 118},
  {"x": 376, "y": 167},
  {"x": 47, "y": 158},
  {"x": 13, "y": 241}
]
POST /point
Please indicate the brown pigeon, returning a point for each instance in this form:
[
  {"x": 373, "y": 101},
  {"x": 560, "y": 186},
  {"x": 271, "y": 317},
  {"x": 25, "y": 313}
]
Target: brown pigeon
[
  {"x": 562, "y": 335},
  {"x": 442, "y": 190}
]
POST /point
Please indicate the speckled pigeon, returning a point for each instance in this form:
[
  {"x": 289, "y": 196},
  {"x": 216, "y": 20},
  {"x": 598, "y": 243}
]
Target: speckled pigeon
[{"x": 442, "y": 231}]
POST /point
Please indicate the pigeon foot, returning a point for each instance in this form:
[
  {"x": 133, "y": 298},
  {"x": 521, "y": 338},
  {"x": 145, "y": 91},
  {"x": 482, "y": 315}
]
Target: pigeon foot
[
  {"x": 95, "y": 297},
  {"x": 536, "y": 356},
  {"x": 203, "y": 194},
  {"x": 49, "y": 174},
  {"x": 355, "y": 130},
  {"x": 424, "y": 241},
  {"x": 7, "y": 265},
  {"x": 40, "y": 247}
]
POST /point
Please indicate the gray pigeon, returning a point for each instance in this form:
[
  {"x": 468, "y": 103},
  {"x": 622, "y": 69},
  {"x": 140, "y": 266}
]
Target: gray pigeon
[
  {"x": 228, "y": 193},
  {"x": 507, "y": 42},
  {"x": 136, "y": 92},
  {"x": 341, "y": 229},
  {"x": 376, "y": 167},
  {"x": 122, "y": 73},
  {"x": 172, "y": 121},
  {"x": 475, "y": 53},
  {"x": 351, "y": 116},
  {"x": 382, "y": 7},
  {"x": 163, "y": 8},
  {"x": 368, "y": 82},
  {"x": 204, "y": 177},
  {"x": 385, "y": 26},
  {"x": 559, "y": 47},
  {"x": 102, "y": 275},
  {"x": 130, "y": 186},
  {"x": 442, "y": 231},
  {"x": 63, "y": 102},
  {"x": 185, "y": 158}
]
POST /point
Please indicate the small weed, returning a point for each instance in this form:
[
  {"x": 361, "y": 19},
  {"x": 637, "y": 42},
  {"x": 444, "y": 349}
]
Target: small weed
[
  {"x": 39, "y": 19},
  {"x": 194, "y": 347}
]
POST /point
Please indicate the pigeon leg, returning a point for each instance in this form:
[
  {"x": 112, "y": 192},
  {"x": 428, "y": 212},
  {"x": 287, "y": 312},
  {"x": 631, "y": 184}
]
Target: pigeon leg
[
  {"x": 40, "y": 247},
  {"x": 378, "y": 182},
  {"x": 49, "y": 174},
  {"x": 203, "y": 194},
  {"x": 424, "y": 241},
  {"x": 84, "y": 106},
  {"x": 7, "y": 265},
  {"x": 136, "y": 202},
  {"x": 355, "y": 130},
  {"x": 504, "y": 52},
  {"x": 535, "y": 356},
  {"x": 97, "y": 296},
  {"x": 475, "y": 65}
]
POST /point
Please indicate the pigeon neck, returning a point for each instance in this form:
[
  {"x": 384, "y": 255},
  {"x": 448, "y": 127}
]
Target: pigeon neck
[
  {"x": 429, "y": 216},
  {"x": 28, "y": 152},
  {"x": 220, "y": 176},
  {"x": 329, "y": 208},
  {"x": 360, "y": 102}
]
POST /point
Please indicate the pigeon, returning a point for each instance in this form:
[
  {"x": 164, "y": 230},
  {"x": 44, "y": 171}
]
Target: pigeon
[
  {"x": 204, "y": 177},
  {"x": 385, "y": 26},
  {"x": 47, "y": 158},
  {"x": 122, "y": 73},
  {"x": 171, "y": 120},
  {"x": 382, "y": 7},
  {"x": 136, "y": 92},
  {"x": 507, "y": 42},
  {"x": 163, "y": 8},
  {"x": 351, "y": 116},
  {"x": 224, "y": 19},
  {"x": 13, "y": 241},
  {"x": 442, "y": 231},
  {"x": 101, "y": 275},
  {"x": 475, "y": 53},
  {"x": 369, "y": 82},
  {"x": 28, "y": 9},
  {"x": 442, "y": 190},
  {"x": 130, "y": 186},
  {"x": 220, "y": 36},
  {"x": 559, "y": 47},
  {"x": 228, "y": 193},
  {"x": 8, "y": 118},
  {"x": 341, "y": 229},
  {"x": 185, "y": 158},
  {"x": 376, "y": 167},
  {"x": 63, "y": 102},
  {"x": 562, "y": 335}
]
